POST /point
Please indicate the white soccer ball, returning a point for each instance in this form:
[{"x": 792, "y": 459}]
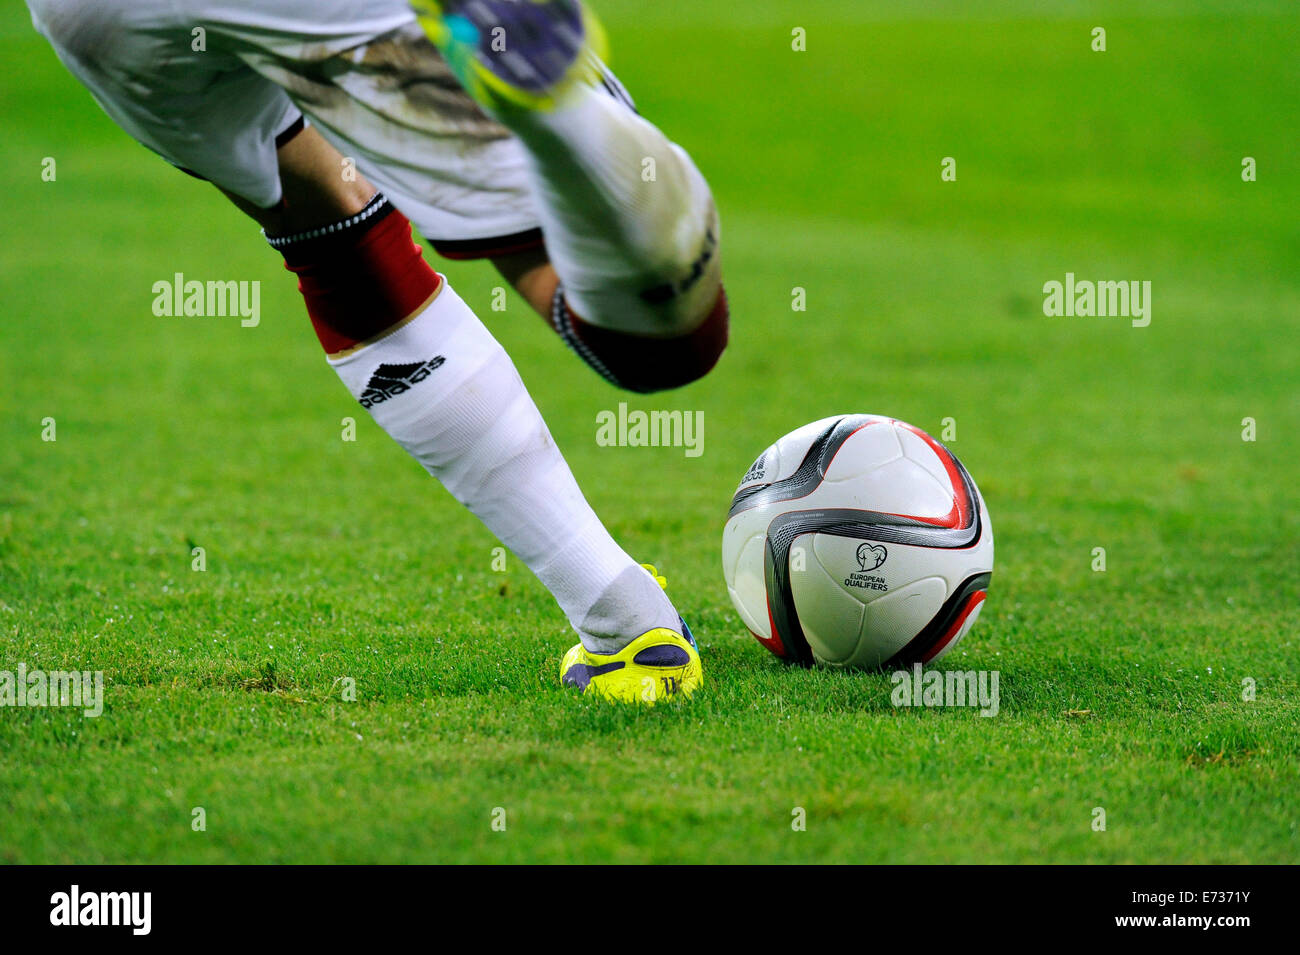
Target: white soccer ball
[{"x": 858, "y": 542}]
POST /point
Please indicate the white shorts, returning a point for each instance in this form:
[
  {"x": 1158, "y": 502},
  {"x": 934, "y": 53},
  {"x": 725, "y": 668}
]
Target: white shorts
[{"x": 213, "y": 85}]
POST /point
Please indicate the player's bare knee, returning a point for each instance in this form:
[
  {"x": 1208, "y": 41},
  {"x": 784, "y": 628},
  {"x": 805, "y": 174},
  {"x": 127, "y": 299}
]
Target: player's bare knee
[{"x": 314, "y": 192}]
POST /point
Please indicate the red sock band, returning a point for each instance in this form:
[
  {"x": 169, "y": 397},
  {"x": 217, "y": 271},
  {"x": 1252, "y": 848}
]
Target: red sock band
[
  {"x": 644, "y": 365},
  {"x": 361, "y": 279}
]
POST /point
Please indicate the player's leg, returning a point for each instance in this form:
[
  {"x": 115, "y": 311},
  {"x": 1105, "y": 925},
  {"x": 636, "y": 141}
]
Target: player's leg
[
  {"x": 630, "y": 224},
  {"x": 431, "y": 375},
  {"x": 402, "y": 341}
]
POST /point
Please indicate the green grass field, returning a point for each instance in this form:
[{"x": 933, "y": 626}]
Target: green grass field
[{"x": 329, "y": 559}]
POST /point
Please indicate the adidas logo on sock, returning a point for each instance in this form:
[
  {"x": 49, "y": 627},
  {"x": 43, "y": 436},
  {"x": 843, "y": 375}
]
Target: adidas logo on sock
[{"x": 390, "y": 380}]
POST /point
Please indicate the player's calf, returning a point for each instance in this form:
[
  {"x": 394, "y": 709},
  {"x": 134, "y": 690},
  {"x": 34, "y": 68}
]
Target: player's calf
[{"x": 432, "y": 376}]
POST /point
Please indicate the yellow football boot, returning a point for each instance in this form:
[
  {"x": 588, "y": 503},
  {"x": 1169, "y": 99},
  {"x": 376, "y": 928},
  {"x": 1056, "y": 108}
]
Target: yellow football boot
[
  {"x": 515, "y": 53},
  {"x": 661, "y": 664}
]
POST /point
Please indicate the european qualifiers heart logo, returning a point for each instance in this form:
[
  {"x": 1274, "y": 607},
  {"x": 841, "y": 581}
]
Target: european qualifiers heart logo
[{"x": 871, "y": 556}]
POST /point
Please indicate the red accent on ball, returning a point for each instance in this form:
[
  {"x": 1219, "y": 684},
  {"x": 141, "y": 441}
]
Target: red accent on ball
[
  {"x": 973, "y": 601},
  {"x": 774, "y": 642},
  {"x": 962, "y": 506}
]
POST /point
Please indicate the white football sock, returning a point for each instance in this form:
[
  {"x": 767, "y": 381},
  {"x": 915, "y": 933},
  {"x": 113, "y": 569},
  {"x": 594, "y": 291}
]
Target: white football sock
[
  {"x": 625, "y": 212},
  {"x": 447, "y": 392}
]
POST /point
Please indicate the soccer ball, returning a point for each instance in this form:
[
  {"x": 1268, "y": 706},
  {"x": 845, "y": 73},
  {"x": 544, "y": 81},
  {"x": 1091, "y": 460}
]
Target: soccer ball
[{"x": 858, "y": 542}]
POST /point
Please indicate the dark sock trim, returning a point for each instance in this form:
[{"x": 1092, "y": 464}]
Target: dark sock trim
[
  {"x": 345, "y": 230},
  {"x": 562, "y": 322},
  {"x": 290, "y": 131},
  {"x": 464, "y": 249}
]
